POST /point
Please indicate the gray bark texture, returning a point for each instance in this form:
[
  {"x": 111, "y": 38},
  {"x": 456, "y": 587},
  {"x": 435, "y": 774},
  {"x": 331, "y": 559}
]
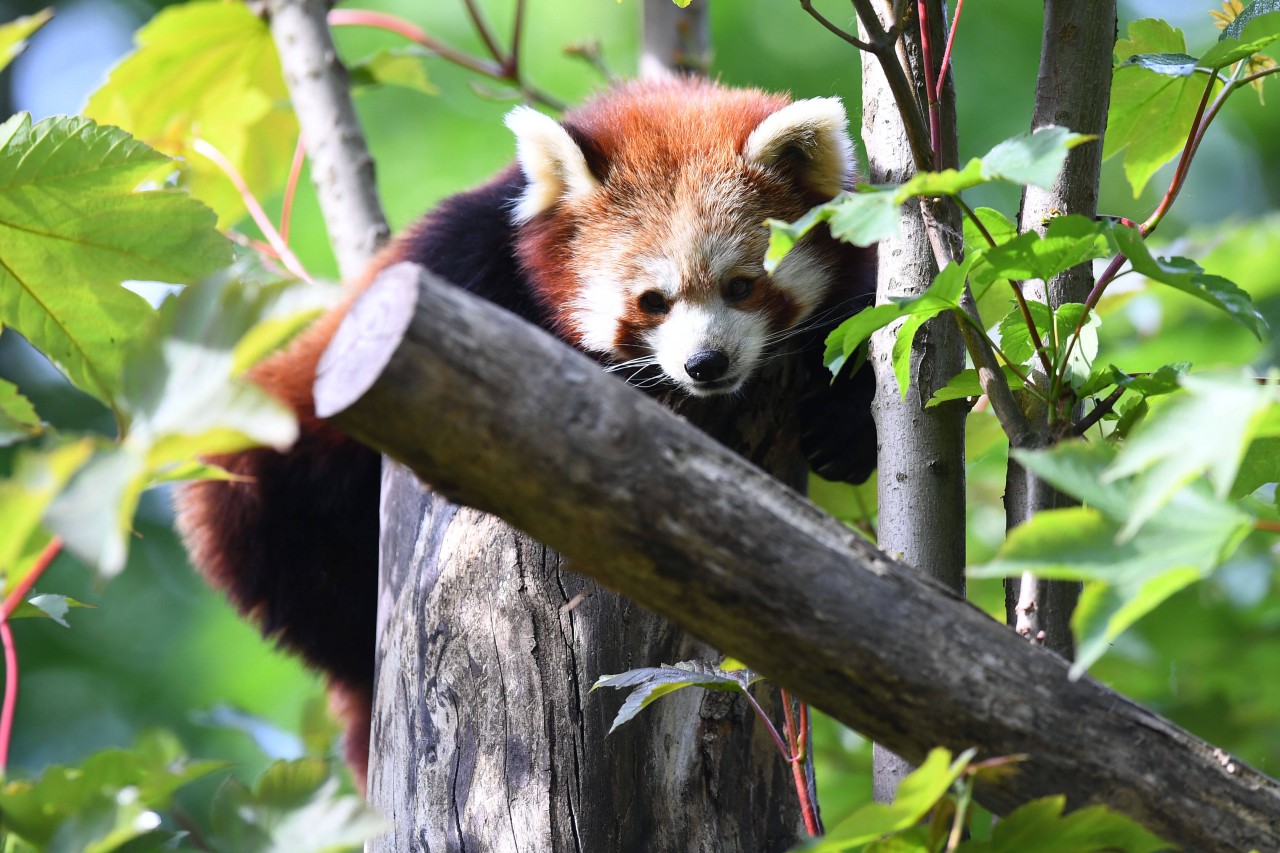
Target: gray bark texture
[
  {"x": 921, "y": 516},
  {"x": 341, "y": 167},
  {"x": 635, "y": 497},
  {"x": 1073, "y": 90}
]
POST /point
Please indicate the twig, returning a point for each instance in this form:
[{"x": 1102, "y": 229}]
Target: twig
[
  {"x": 11, "y": 602},
  {"x": 946, "y": 56},
  {"x": 291, "y": 187},
  {"x": 281, "y": 249},
  {"x": 807, "y": 5},
  {"x": 1098, "y": 412},
  {"x": 931, "y": 93},
  {"x": 883, "y": 46},
  {"x": 486, "y": 34}
]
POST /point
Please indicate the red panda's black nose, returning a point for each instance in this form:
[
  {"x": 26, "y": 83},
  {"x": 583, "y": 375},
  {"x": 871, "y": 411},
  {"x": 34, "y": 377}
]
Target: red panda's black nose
[{"x": 707, "y": 365}]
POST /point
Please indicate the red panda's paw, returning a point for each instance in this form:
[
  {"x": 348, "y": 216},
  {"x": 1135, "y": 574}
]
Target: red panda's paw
[{"x": 838, "y": 433}]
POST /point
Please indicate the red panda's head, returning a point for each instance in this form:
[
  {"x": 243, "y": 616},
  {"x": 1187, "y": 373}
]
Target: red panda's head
[{"x": 642, "y": 224}]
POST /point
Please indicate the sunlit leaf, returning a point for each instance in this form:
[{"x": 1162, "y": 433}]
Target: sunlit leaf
[
  {"x": 1033, "y": 158},
  {"x": 965, "y": 384},
  {"x": 401, "y": 66},
  {"x": 37, "y": 478},
  {"x": 72, "y": 228},
  {"x": 1170, "y": 450},
  {"x": 1068, "y": 242},
  {"x": 14, "y": 35},
  {"x": 206, "y": 70},
  {"x": 184, "y": 397},
  {"x": 1151, "y": 112}
]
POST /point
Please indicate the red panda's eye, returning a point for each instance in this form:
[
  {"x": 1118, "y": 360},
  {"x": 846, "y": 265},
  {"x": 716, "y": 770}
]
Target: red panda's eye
[
  {"x": 738, "y": 289},
  {"x": 653, "y": 302}
]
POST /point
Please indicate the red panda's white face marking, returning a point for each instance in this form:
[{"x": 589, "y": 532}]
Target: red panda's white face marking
[{"x": 651, "y": 222}]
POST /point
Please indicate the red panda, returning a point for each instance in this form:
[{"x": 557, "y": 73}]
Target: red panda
[{"x": 633, "y": 229}]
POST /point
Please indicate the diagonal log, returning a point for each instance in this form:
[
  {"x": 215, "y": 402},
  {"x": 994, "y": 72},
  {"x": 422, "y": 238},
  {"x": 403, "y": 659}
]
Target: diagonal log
[{"x": 500, "y": 416}]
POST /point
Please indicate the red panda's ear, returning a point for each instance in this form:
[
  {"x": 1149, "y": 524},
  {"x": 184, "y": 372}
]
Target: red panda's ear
[
  {"x": 551, "y": 161},
  {"x": 809, "y": 137}
]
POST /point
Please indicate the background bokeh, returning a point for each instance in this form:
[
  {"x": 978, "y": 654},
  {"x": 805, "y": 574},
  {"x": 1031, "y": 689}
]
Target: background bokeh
[{"x": 162, "y": 651}]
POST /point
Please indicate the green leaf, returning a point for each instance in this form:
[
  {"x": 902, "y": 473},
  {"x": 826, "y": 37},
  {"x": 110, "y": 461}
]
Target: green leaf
[
  {"x": 398, "y": 66},
  {"x": 1068, "y": 242},
  {"x": 1260, "y": 465},
  {"x": 946, "y": 182},
  {"x": 294, "y": 807},
  {"x": 72, "y": 228},
  {"x": 999, "y": 226},
  {"x": 14, "y": 35},
  {"x": 1170, "y": 450},
  {"x": 1040, "y": 827},
  {"x": 18, "y": 418},
  {"x": 37, "y": 478},
  {"x": 1170, "y": 64},
  {"x": 1015, "y": 335},
  {"x": 1189, "y": 277},
  {"x": 184, "y": 397},
  {"x": 965, "y": 384},
  {"x": 866, "y": 217},
  {"x": 917, "y": 794},
  {"x": 99, "y": 805},
  {"x": 1182, "y": 542},
  {"x": 1033, "y": 158},
  {"x": 206, "y": 70},
  {"x": 1151, "y": 112},
  {"x": 1164, "y": 380},
  {"x": 652, "y": 683},
  {"x": 47, "y": 606},
  {"x": 1256, "y": 28}
]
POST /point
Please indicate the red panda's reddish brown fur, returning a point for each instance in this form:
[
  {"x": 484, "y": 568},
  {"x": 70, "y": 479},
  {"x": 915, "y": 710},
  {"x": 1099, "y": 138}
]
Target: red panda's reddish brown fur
[{"x": 634, "y": 224}]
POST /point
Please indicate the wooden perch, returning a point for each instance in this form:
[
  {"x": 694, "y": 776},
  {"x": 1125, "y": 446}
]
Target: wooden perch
[{"x": 498, "y": 415}]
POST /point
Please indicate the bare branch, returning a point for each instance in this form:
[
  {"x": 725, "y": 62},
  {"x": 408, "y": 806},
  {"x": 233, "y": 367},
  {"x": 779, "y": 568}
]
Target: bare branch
[{"x": 341, "y": 167}]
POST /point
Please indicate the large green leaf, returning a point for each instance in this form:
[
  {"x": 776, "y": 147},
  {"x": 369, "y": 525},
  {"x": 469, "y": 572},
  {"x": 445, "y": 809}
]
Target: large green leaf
[
  {"x": 206, "y": 70},
  {"x": 1171, "y": 449},
  {"x": 185, "y": 397},
  {"x": 72, "y": 228},
  {"x": 1151, "y": 111},
  {"x": 14, "y": 35},
  {"x": 1189, "y": 277},
  {"x": 1128, "y": 573}
]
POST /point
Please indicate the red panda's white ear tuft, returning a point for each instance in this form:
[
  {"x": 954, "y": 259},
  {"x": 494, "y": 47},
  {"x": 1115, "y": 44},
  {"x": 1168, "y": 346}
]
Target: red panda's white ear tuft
[
  {"x": 551, "y": 161},
  {"x": 811, "y": 137}
]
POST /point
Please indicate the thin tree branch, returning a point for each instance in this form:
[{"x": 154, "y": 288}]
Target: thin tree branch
[
  {"x": 807, "y": 5},
  {"x": 342, "y": 169}
]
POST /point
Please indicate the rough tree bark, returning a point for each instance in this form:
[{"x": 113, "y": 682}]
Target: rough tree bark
[
  {"x": 1073, "y": 90},
  {"x": 921, "y": 460},
  {"x": 532, "y": 431}
]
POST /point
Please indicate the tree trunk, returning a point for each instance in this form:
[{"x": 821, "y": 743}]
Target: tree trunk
[
  {"x": 486, "y": 734},
  {"x": 1073, "y": 89},
  {"x": 921, "y": 457}
]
